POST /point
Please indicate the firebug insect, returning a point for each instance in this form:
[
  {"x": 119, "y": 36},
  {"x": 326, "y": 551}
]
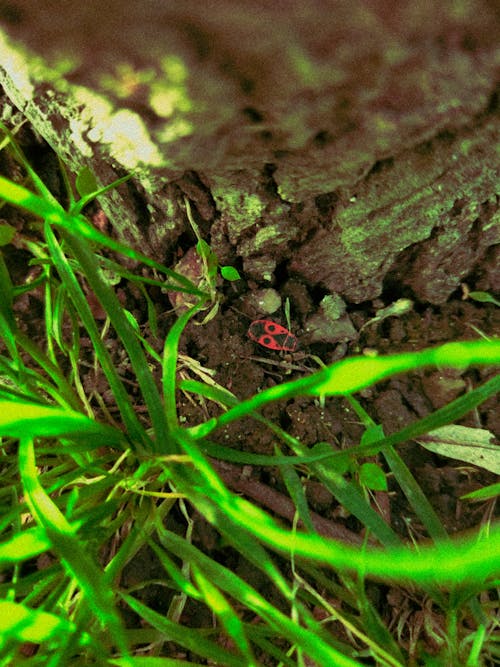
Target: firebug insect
[{"x": 272, "y": 335}]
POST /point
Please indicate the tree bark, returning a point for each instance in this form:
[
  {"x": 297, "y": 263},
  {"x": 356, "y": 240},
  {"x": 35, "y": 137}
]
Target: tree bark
[{"x": 353, "y": 143}]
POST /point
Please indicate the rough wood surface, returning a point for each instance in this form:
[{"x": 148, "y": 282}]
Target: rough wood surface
[{"x": 350, "y": 142}]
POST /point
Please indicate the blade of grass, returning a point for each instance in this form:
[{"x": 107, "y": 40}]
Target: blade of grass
[
  {"x": 445, "y": 415},
  {"x": 25, "y": 545},
  {"x": 346, "y": 492},
  {"x": 230, "y": 621},
  {"x": 53, "y": 213},
  {"x": 186, "y": 637},
  {"x": 351, "y": 375},
  {"x": 169, "y": 370},
  {"x": 297, "y": 493},
  {"x": 472, "y": 557},
  {"x": 416, "y": 497},
  {"x": 32, "y": 625},
  {"x": 6, "y": 294},
  {"x": 449, "y": 413},
  {"x": 228, "y": 581},
  {"x": 125, "y": 331},
  {"x": 48, "y": 207},
  {"x": 134, "y": 428},
  {"x": 64, "y": 541},
  {"x": 233, "y": 532},
  {"x": 65, "y": 393}
]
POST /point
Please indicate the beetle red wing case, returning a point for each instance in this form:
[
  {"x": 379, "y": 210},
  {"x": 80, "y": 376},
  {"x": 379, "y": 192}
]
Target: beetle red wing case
[{"x": 272, "y": 335}]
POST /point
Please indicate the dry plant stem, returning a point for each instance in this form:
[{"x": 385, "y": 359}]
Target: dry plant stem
[{"x": 279, "y": 503}]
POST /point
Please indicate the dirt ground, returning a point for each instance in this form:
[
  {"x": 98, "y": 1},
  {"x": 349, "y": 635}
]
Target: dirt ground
[{"x": 245, "y": 368}]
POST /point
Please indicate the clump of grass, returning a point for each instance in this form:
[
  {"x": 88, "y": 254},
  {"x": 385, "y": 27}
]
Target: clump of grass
[{"x": 93, "y": 489}]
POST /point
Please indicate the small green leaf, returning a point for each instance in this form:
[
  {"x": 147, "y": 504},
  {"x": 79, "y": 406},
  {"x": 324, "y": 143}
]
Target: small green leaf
[
  {"x": 483, "y": 297},
  {"x": 372, "y": 477},
  {"x": 7, "y": 233},
  {"x": 203, "y": 249},
  {"x": 229, "y": 273},
  {"x": 343, "y": 462},
  {"x": 86, "y": 182},
  {"x": 372, "y": 434}
]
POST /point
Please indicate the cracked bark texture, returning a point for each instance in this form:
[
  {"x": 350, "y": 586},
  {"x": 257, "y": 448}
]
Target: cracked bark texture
[{"x": 352, "y": 144}]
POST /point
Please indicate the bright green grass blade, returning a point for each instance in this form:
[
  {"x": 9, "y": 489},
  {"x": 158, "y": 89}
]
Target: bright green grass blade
[
  {"x": 350, "y": 375},
  {"x": 357, "y": 373},
  {"x": 449, "y": 413},
  {"x": 230, "y": 621},
  {"x": 34, "y": 420},
  {"x": 169, "y": 371},
  {"x": 297, "y": 494},
  {"x": 491, "y": 491},
  {"x": 6, "y": 294},
  {"x": 177, "y": 574},
  {"x": 9, "y": 339},
  {"x": 134, "y": 428},
  {"x": 53, "y": 213},
  {"x": 24, "y": 545},
  {"x": 445, "y": 415},
  {"x": 347, "y": 493},
  {"x": 123, "y": 328},
  {"x": 32, "y": 625},
  {"x": 26, "y": 385},
  {"x": 149, "y": 661},
  {"x": 416, "y": 497},
  {"x": 63, "y": 392},
  {"x": 472, "y": 557},
  {"x": 66, "y": 544},
  {"x": 311, "y": 641},
  {"x": 96, "y": 192},
  {"x": 234, "y": 532},
  {"x": 351, "y": 497},
  {"x": 48, "y": 207},
  {"x": 185, "y": 636},
  {"x": 378, "y": 637}
]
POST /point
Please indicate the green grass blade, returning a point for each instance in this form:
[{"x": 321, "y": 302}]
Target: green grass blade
[
  {"x": 472, "y": 557},
  {"x": 53, "y": 213},
  {"x": 32, "y": 625},
  {"x": 169, "y": 370},
  {"x": 122, "y": 326},
  {"x": 351, "y": 497},
  {"x": 297, "y": 494},
  {"x": 20, "y": 547},
  {"x": 64, "y": 393},
  {"x": 6, "y": 294},
  {"x": 445, "y": 415},
  {"x": 34, "y": 420},
  {"x": 346, "y": 492},
  {"x": 66, "y": 544},
  {"x": 79, "y": 205},
  {"x": 350, "y": 375},
  {"x": 416, "y": 497},
  {"x": 186, "y": 637},
  {"x": 216, "y": 601},
  {"x": 310, "y": 641},
  {"x": 134, "y": 428}
]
